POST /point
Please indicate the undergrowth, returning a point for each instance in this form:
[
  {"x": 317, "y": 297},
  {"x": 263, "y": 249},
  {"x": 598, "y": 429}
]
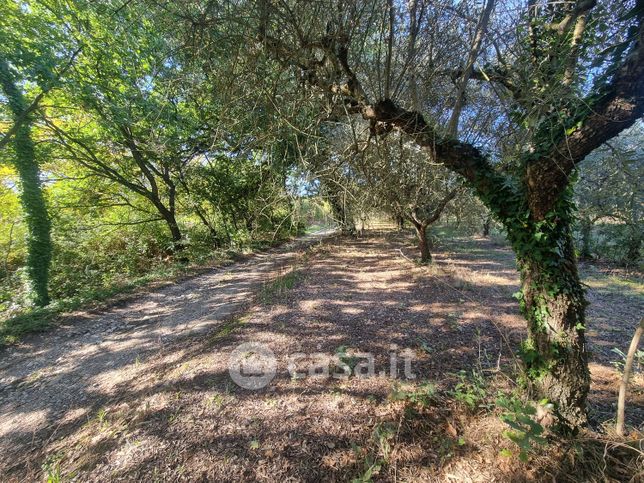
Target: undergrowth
[
  {"x": 38, "y": 319},
  {"x": 276, "y": 289},
  {"x": 440, "y": 418},
  {"x": 27, "y": 320}
]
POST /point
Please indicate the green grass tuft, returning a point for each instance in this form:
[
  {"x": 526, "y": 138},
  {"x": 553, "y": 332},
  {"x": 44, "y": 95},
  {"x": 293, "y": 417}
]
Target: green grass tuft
[{"x": 277, "y": 288}]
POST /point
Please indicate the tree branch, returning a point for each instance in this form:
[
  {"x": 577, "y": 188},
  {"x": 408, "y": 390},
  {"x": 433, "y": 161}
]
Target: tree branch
[
  {"x": 619, "y": 105},
  {"x": 443, "y": 204},
  {"x": 452, "y": 125},
  {"x": 22, "y": 117},
  {"x": 581, "y": 8}
]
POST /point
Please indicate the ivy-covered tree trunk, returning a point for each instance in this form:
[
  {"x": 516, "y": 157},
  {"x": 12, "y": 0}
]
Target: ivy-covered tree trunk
[
  {"x": 31, "y": 196},
  {"x": 552, "y": 301}
]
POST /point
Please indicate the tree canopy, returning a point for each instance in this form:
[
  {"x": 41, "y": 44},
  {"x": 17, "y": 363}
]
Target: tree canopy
[{"x": 145, "y": 130}]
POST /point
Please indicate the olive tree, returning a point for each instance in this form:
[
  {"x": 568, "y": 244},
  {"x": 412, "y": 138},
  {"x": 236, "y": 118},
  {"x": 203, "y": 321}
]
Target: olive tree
[
  {"x": 570, "y": 76},
  {"x": 399, "y": 179}
]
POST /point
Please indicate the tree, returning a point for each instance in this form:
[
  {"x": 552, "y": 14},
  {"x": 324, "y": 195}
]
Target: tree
[
  {"x": 29, "y": 69},
  {"x": 31, "y": 196},
  {"x": 241, "y": 190},
  {"x": 539, "y": 72},
  {"x": 397, "y": 179},
  {"x": 135, "y": 127}
]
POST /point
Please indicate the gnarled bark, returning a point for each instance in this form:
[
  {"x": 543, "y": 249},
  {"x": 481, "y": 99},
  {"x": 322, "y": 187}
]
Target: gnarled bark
[
  {"x": 553, "y": 298},
  {"x": 554, "y": 354},
  {"x": 423, "y": 244}
]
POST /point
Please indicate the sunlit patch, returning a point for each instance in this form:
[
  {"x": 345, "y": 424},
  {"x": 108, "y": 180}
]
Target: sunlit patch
[
  {"x": 352, "y": 310},
  {"x": 26, "y": 423},
  {"x": 74, "y": 414}
]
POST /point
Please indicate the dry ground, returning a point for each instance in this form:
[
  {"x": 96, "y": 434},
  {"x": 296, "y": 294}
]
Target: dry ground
[{"x": 173, "y": 413}]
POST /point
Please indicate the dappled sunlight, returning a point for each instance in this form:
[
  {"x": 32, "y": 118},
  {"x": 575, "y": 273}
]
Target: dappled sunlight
[
  {"x": 613, "y": 284},
  {"x": 26, "y": 424},
  {"x": 167, "y": 396}
]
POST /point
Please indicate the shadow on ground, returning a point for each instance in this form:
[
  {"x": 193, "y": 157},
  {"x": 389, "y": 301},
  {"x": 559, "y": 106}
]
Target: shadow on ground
[{"x": 171, "y": 410}]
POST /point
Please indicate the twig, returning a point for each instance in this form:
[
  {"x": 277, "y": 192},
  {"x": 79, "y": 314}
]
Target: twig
[{"x": 628, "y": 365}]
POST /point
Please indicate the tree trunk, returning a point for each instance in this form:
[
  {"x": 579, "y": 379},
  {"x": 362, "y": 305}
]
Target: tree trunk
[
  {"x": 171, "y": 222},
  {"x": 552, "y": 300},
  {"x": 486, "y": 226},
  {"x": 341, "y": 215},
  {"x": 628, "y": 365},
  {"x": 452, "y": 125},
  {"x": 423, "y": 245},
  {"x": 202, "y": 216},
  {"x": 585, "y": 229},
  {"x": 400, "y": 222},
  {"x": 211, "y": 229},
  {"x": 177, "y": 236},
  {"x": 249, "y": 224},
  {"x": 633, "y": 244},
  {"x": 31, "y": 196},
  {"x": 175, "y": 232}
]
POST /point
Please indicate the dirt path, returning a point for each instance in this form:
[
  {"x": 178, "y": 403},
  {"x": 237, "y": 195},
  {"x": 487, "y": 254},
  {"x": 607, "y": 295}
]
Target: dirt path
[
  {"x": 153, "y": 399},
  {"x": 51, "y": 382}
]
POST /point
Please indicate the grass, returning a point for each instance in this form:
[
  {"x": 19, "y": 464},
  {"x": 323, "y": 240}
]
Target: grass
[
  {"x": 615, "y": 285},
  {"x": 34, "y": 320},
  {"x": 227, "y": 328},
  {"x": 39, "y": 319},
  {"x": 277, "y": 288}
]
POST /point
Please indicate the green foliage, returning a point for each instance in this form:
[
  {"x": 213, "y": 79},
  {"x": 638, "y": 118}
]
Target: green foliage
[
  {"x": 372, "y": 467},
  {"x": 421, "y": 395},
  {"x": 277, "y": 288},
  {"x": 619, "y": 364},
  {"x": 161, "y": 141},
  {"x": 52, "y": 470},
  {"x": 382, "y": 436},
  {"x": 137, "y": 161},
  {"x": 608, "y": 196},
  {"x": 525, "y": 432},
  {"x": 347, "y": 362},
  {"x": 18, "y": 323},
  {"x": 227, "y": 328},
  {"x": 241, "y": 196},
  {"x": 536, "y": 363},
  {"x": 31, "y": 196},
  {"x": 470, "y": 390}
]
